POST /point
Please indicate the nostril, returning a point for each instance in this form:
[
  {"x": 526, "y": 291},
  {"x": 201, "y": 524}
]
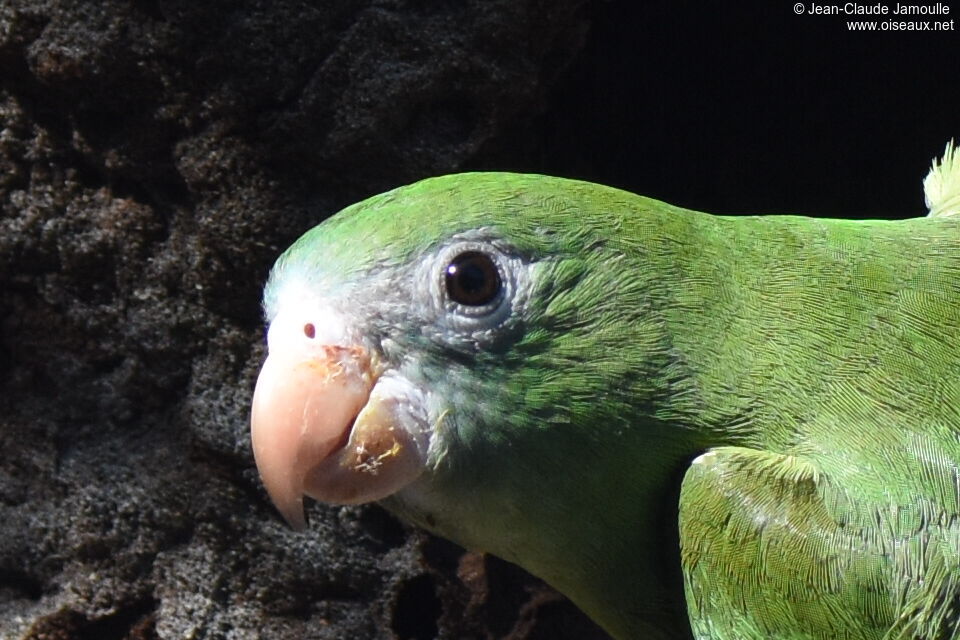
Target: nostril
[{"x": 309, "y": 330}]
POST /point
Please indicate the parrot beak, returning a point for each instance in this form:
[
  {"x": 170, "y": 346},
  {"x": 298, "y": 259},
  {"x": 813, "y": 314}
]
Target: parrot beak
[{"x": 321, "y": 426}]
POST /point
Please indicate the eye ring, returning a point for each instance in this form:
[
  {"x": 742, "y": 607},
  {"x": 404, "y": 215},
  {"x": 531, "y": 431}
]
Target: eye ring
[{"x": 472, "y": 278}]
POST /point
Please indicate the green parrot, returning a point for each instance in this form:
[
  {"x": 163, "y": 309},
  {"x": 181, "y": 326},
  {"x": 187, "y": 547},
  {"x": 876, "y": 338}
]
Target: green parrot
[{"x": 691, "y": 425}]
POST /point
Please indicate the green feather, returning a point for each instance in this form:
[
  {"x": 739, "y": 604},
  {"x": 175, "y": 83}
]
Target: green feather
[{"x": 747, "y": 426}]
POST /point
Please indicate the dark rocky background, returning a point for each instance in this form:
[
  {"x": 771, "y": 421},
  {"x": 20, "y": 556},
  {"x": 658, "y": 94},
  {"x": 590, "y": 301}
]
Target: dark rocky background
[{"x": 157, "y": 155}]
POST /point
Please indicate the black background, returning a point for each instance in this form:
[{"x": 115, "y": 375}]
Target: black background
[{"x": 746, "y": 107}]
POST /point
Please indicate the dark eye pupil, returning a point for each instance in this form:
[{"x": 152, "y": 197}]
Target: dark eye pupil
[{"x": 472, "y": 279}]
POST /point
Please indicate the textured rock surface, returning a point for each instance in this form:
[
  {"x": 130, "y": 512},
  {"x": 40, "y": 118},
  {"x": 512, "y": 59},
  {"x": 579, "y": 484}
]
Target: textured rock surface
[{"x": 155, "y": 157}]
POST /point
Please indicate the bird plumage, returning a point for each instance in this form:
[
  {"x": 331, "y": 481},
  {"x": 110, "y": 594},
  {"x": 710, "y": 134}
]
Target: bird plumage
[{"x": 743, "y": 426}]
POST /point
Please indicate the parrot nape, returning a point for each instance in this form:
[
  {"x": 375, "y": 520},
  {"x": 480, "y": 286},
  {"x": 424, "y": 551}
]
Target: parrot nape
[{"x": 689, "y": 424}]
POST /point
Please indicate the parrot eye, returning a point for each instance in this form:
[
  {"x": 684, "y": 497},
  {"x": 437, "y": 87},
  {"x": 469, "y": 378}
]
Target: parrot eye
[
  {"x": 478, "y": 286},
  {"x": 309, "y": 330},
  {"x": 472, "y": 279}
]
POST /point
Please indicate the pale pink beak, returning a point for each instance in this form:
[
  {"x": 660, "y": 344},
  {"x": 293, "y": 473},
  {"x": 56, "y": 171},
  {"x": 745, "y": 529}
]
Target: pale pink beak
[{"x": 321, "y": 428}]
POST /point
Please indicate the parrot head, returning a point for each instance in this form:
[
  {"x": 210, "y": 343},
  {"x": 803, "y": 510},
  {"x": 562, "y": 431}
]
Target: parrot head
[
  {"x": 470, "y": 351},
  {"x": 380, "y": 333}
]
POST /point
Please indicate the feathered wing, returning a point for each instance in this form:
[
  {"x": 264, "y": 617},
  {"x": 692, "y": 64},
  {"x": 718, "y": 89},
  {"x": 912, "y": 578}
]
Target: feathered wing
[{"x": 772, "y": 547}]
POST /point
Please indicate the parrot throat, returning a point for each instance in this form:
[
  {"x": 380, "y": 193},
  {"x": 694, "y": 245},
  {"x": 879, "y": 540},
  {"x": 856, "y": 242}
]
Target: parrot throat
[{"x": 592, "y": 528}]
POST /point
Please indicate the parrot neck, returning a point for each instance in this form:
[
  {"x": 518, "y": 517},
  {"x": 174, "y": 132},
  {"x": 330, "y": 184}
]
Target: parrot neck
[{"x": 588, "y": 516}]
